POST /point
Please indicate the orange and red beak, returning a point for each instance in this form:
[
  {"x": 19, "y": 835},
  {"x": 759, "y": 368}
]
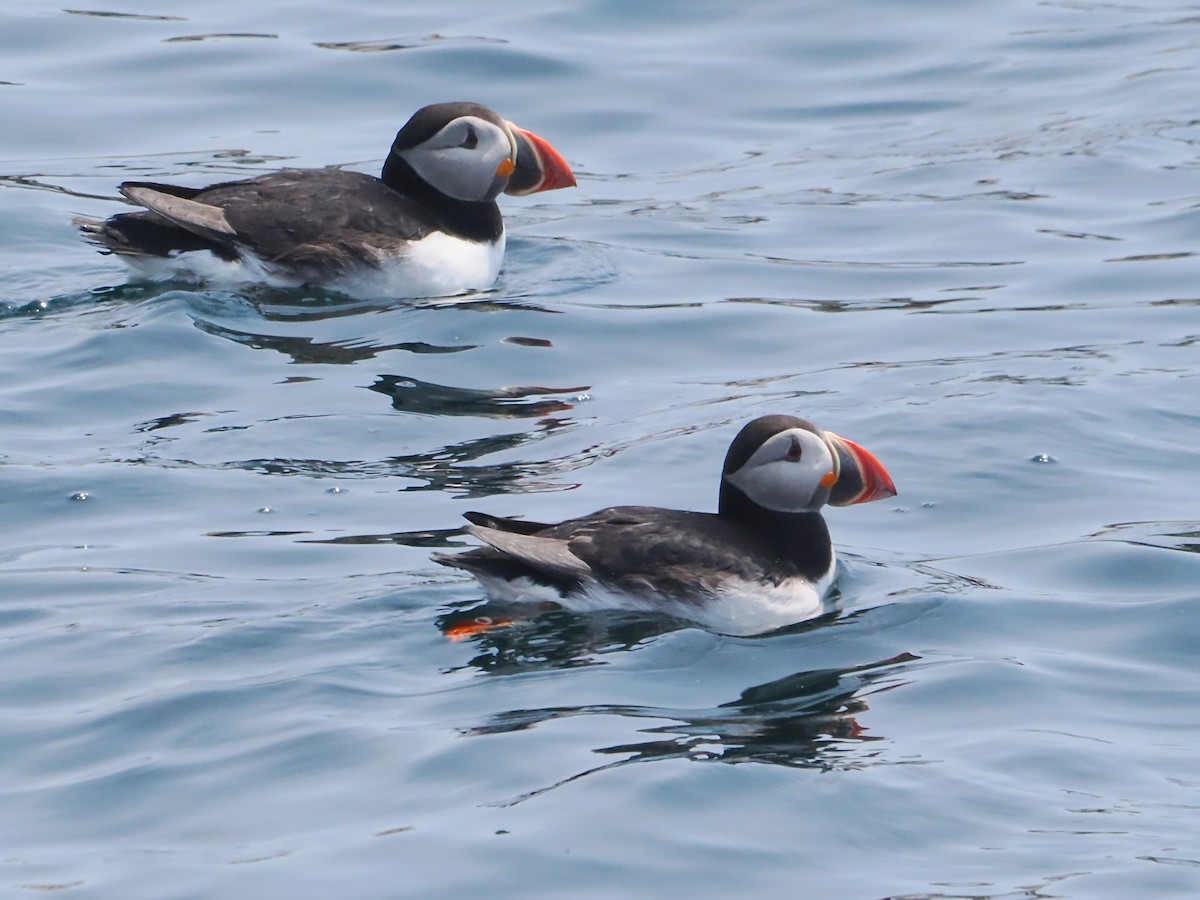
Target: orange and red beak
[
  {"x": 538, "y": 166},
  {"x": 861, "y": 477}
]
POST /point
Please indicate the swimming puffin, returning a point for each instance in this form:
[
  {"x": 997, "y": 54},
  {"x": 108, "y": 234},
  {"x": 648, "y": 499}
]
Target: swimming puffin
[
  {"x": 428, "y": 226},
  {"x": 762, "y": 561}
]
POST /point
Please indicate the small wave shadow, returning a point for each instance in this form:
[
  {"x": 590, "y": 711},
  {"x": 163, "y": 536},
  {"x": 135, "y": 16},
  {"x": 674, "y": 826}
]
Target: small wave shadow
[
  {"x": 809, "y": 719},
  {"x": 454, "y": 470},
  {"x": 413, "y": 395},
  {"x": 509, "y": 638},
  {"x": 133, "y": 292},
  {"x": 1179, "y": 535},
  {"x": 541, "y": 269},
  {"x": 1126, "y": 562}
]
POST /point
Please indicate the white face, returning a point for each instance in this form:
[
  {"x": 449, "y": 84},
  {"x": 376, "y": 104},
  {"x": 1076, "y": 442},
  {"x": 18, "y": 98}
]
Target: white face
[
  {"x": 464, "y": 160},
  {"x": 791, "y": 472}
]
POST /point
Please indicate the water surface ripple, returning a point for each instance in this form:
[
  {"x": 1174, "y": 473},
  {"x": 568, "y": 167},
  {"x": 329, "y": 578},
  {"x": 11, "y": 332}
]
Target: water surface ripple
[{"x": 963, "y": 235}]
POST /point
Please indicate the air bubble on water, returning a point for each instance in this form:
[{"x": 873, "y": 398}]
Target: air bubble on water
[
  {"x": 80, "y": 495},
  {"x": 1042, "y": 458}
]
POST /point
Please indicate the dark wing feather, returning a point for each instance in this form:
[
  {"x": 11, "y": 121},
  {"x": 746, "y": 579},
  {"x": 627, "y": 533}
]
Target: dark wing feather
[
  {"x": 200, "y": 218},
  {"x": 664, "y": 551},
  {"x": 312, "y": 221},
  {"x": 145, "y": 234},
  {"x": 309, "y": 217},
  {"x": 500, "y": 523},
  {"x": 636, "y": 549}
]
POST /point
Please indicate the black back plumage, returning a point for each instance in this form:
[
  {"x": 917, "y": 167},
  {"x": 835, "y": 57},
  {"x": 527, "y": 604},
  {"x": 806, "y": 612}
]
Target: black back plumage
[
  {"x": 315, "y": 221},
  {"x": 669, "y": 552},
  {"x": 302, "y": 218}
]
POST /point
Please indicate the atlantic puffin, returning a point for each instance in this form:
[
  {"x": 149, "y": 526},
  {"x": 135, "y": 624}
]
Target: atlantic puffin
[
  {"x": 428, "y": 226},
  {"x": 762, "y": 561}
]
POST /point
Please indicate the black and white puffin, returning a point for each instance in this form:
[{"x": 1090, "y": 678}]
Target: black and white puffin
[
  {"x": 428, "y": 226},
  {"x": 762, "y": 561}
]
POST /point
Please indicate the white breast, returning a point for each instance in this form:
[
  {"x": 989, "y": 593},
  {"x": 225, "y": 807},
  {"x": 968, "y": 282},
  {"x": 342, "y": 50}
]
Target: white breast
[{"x": 438, "y": 265}]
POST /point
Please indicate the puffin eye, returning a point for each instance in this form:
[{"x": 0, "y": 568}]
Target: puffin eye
[
  {"x": 471, "y": 141},
  {"x": 795, "y": 450}
]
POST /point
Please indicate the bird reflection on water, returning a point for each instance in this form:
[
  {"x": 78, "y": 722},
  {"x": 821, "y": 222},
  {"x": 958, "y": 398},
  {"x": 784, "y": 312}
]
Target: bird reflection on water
[{"x": 808, "y": 719}]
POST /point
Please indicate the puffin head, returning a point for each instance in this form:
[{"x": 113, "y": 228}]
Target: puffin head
[
  {"x": 468, "y": 152},
  {"x": 786, "y": 464}
]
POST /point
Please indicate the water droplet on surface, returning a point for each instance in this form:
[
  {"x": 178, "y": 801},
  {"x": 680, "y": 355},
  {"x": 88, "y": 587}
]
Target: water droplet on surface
[
  {"x": 1042, "y": 458},
  {"x": 80, "y": 495},
  {"x": 336, "y": 490},
  {"x": 265, "y": 509}
]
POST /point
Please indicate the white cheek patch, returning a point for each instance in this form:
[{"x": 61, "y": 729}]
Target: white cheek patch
[
  {"x": 462, "y": 172},
  {"x": 774, "y": 481},
  {"x": 782, "y": 485}
]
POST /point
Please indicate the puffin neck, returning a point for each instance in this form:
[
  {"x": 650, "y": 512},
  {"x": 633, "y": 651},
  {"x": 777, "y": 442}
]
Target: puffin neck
[
  {"x": 476, "y": 221},
  {"x": 798, "y": 541}
]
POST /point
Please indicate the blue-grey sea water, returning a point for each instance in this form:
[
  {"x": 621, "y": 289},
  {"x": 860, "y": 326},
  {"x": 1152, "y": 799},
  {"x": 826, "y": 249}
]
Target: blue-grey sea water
[{"x": 964, "y": 235}]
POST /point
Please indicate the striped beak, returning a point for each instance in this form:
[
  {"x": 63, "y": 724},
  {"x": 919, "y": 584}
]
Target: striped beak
[
  {"x": 861, "y": 477},
  {"x": 537, "y": 165}
]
